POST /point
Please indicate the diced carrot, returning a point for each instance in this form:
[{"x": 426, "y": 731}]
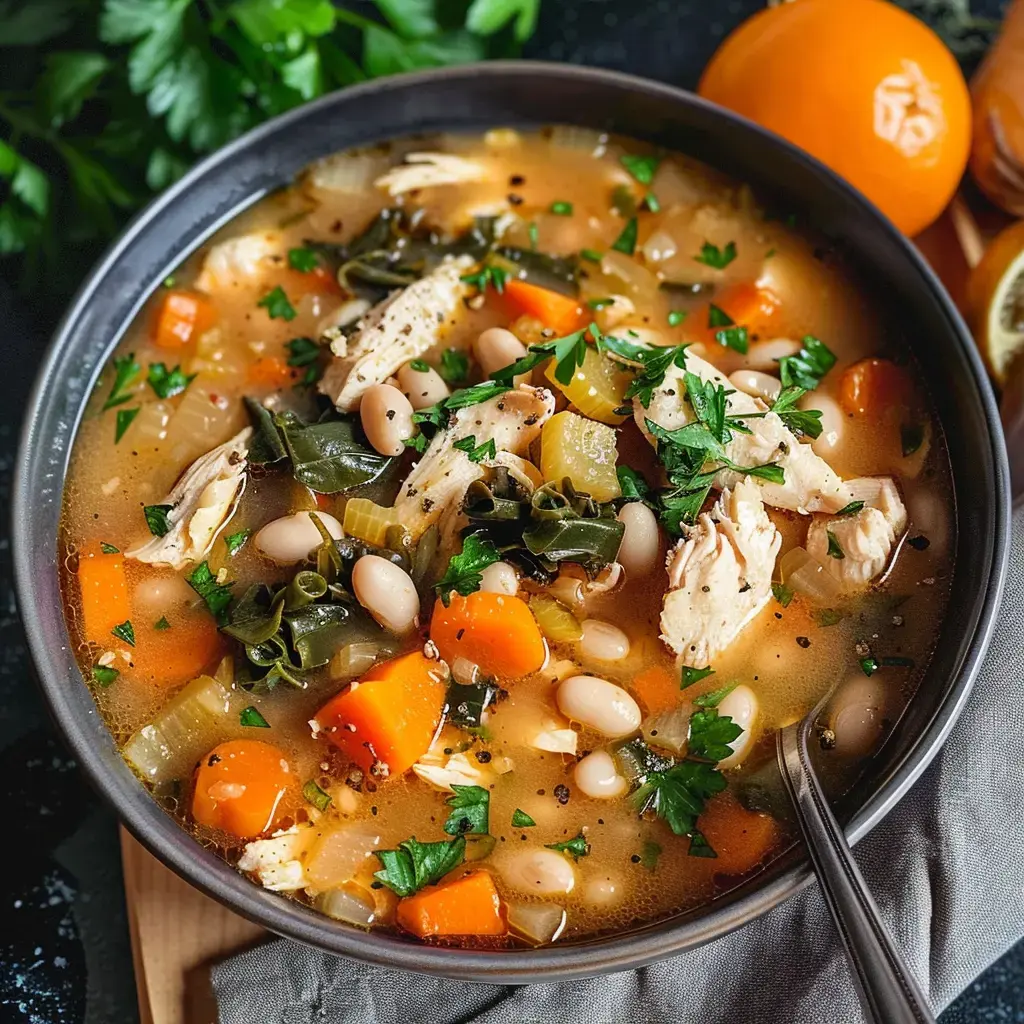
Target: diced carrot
[
  {"x": 386, "y": 721},
  {"x": 239, "y": 787},
  {"x": 657, "y": 688},
  {"x": 104, "y": 589},
  {"x": 740, "y": 838},
  {"x": 180, "y": 317},
  {"x": 466, "y": 906},
  {"x": 270, "y": 372},
  {"x": 746, "y": 304},
  {"x": 166, "y": 657},
  {"x": 494, "y": 631},
  {"x": 559, "y": 312},
  {"x": 873, "y": 386},
  {"x": 318, "y": 280}
]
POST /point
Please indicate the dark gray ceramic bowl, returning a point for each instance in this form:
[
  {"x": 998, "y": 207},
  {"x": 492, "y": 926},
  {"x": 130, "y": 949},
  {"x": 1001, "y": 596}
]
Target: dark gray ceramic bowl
[{"x": 471, "y": 99}]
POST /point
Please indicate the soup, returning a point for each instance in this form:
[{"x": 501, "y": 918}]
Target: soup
[{"x": 447, "y": 541}]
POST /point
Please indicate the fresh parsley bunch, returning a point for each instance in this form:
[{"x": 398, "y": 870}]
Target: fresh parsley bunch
[{"x": 105, "y": 102}]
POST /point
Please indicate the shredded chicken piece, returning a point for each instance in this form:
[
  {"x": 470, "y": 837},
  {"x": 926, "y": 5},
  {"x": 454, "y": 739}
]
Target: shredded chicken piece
[
  {"x": 456, "y": 770},
  {"x": 428, "y": 170},
  {"x": 810, "y": 485},
  {"x": 278, "y": 861},
  {"x": 866, "y": 538},
  {"x": 720, "y": 575},
  {"x": 204, "y": 499},
  {"x": 402, "y": 327},
  {"x": 238, "y": 260},
  {"x": 512, "y": 420}
]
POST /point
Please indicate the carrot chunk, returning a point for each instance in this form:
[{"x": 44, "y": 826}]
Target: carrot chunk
[
  {"x": 386, "y": 721},
  {"x": 741, "y": 838},
  {"x": 466, "y": 906},
  {"x": 494, "y": 631},
  {"x": 189, "y": 644},
  {"x": 270, "y": 372},
  {"x": 745, "y": 304},
  {"x": 104, "y": 589},
  {"x": 239, "y": 787},
  {"x": 181, "y": 317},
  {"x": 657, "y": 688},
  {"x": 874, "y": 385},
  {"x": 562, "y": 314}
]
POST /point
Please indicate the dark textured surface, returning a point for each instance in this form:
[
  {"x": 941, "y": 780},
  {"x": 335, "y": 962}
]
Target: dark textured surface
[{"x": 64, "y": 952}]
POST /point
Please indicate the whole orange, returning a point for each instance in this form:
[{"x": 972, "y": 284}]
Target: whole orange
[{"x": 865, "y": 87}]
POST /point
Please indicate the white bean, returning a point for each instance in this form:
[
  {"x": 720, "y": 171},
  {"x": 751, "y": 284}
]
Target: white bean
[
  {"x": 496, "y": 348},
  {"x": 541, "y": 872},
  {"x": 765, "y": 355},
  {"x": 422, "y": 387},
  {"x": 603, "y": 892},
  {"x": 758, "y": 384},
  {"x": 833, "y": 422},
  {"x": 640, "y": 547},
  {"x": 741, "y": 705},
  {"x": 858, "y": 717},
  {"x": 386, "y": 591},
  {"x": 602, "y": 641},
  {"x": 500, "y": 578},
  {"x": 158, "y": 595},
  {"x": 597, "y": 776},
  {"x": 291, "y": 538},
  {"x": 386, "y": 415},
  {"x": 598, "y": 704}
]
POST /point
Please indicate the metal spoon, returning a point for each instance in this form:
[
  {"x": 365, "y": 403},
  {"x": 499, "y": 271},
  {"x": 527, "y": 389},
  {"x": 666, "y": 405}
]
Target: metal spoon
[{"x": 887, "y": 990}]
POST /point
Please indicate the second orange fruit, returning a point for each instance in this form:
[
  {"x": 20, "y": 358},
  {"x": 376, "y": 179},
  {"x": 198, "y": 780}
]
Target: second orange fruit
[{"x": 865, "y": 87}]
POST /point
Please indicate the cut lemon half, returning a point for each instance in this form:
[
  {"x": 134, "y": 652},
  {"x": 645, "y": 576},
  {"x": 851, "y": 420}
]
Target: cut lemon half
[{"x": 995, "y": 299}]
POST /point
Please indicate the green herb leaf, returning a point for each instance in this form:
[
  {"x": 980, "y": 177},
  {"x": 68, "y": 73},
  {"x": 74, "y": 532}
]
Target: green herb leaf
[
  {"x": 156, "y": 519},
  {"x": 626, "y": 242},
  {"x": 420, "y": 365},
  {"x": 825, "y": 617},
  {"x": 599, "y": 303},
  {"x": 735, "y": 338},
  {"x": 699, "y": 846},
  {"x": 414, "y": 864},
  {"x": 485, "y": 17},
  {"x": 651, "y": 202},
  {"x": 305, "y": 352},
  {"x": 236, "y": 541},
  {"x": 168, "y": 383},
  {"x": 649, "y": 854},
  {"x": 463, "y": 574},
  {"x": 162, "y": 623},
  {"x": 454, "y": 365},
  {"x": 576, "y": 847},
  {"x": 694, "y": 675},
  {"x": 318, "y": 797},
  {"x": 276, "y": 304},
  {"x": 520, "y": 819},
  {"x": 632, "y": 484},
  {"x": 713, "y": 698},
  {"x": 124, "y": 420},
  {"x": 782, "y": 593},
  {"x": 109, "y": 549},
  {"x": 534, "y": 235},
  {"x": 470, "y": 806},
  {"x": 678, "y": 794},
  {"x": 465, "y": 703},
  {"x": 125, "y": 372},
  {"x": 718, "y": 317},
  {"x": 851, "y": 509},
  {"x": 642, "y": 168},
  {"x": 568, "y": 352},
  {"x": 216, "y": 595},
  {"x": 808, "y": 366},
  {"x": 302, "y": 259},
  {"x": 477, "y": 453},
  {"x": 769, "y": 471},
  {"x": 488, "y": 276},
  {"x": 712, "y": 256},
  {"x": 869, "y": 665},
  {"x": 676, "y": 317},
  {"x": 252, "y": 718},
  {"x": 835, "y": 549},
  {"x": 104, "y": 674},
  {"x": 591, "y": 255},
  {"x": 711, "y": 734},
  {"x": 125, "y": 631},
  {"x": 561, "y": 209}
]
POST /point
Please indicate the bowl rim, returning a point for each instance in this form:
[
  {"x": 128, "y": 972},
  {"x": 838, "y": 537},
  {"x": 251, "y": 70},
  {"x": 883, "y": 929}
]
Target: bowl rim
[{"x": 175, "y": 848}]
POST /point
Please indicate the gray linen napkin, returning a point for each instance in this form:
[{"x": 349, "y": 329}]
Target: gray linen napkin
[{"x": 946, "y": 867}]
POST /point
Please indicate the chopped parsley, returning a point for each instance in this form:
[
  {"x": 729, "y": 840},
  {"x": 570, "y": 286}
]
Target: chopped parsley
[
  {"x": 276, "y": 304},
  {"x": 851, "y": 509},
  {"x": 632, "y": 484},
  {"x": 699, "y": 846},
  {"x": 676, "y": 317},
  {"x": 711, "y": 734},
  {"x": 626, "y": 242},
  {"x": 600, "y": 303},
  {"x": 642, "y": 168},
  {"x": 436, "y": 416},
  {"x": 109, "y": 549},
  {"x": 520, "y": 819},
  {"x": 418, "y": 443},
  {"x": 694, "y": 675},
  {"x": 783, "y": 594},
  {"x": 651, "y": 202},
  {"x": 808, "y": 366},
  {"x": 534, "y": 235},
  {"x": 162, "y": 623},
  {"x": 236, "y": 541},
  {"x": 304, "y": 353},
  {"x": 591, "y": 255},
  {"x": 717, "y": 317},
  {"x": 168, "y": 383},
  {"x": 470, "y": 809},
  {"x": 156, "y": 519},
  {"x": 654, "y": 364},
  {"x": 414, "y": 864},
  {"x": 420, "y": 366},
  {"x": 576, "y": 847},
  {"x": 649, "y": 854},
  {"x": 728, "y": 333},
  {"x": 477, "y": 453},
  {"x": 869, "y": 665},
  {"x": 303, "y": 260},
  {"x": 560, "y": 208},
  {"x": 801, "y": 421},
  {"x": 125, "y": 631},
  {"x": 216, "y": 595},
  {"x": 104, "y": 674},
  {"x": 713, "y": 698},
  {"x": 677, "y": 794},
  {"x": 463, "y": 574},
  {"x": 770, "y": 471},
  {"x": 312, "y": 792},
  {"x": 568, "y": 353},
  {"x": 125, "y": 372},
  {"x": 454, "y": 365},
  {"x": 712, "y": 256},
  {"x": 488, "y": 276},
  {"x": 252, "y": 718},
  {"x": 124, "y": 421},
  {"x": 835, "y": 549}
]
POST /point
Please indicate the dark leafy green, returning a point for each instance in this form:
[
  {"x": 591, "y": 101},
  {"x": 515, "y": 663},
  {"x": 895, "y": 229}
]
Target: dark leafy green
[
  {"x": 470, "y": 806},
  {"x": 465, "y": 703},
  {"x": 312, "y": 792},
  {"x": 156, "y": 519},
  {"x": 252, "y": 718},
  {"x": 216, "y": 595},
  {"x": 414, "y": 864},
  {"x": 520, "y": 819}
]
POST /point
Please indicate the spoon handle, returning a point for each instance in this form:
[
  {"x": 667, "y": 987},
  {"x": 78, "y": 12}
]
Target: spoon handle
[{"x": 887, "y": 990}]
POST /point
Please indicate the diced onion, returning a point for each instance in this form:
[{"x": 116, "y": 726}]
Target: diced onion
[
  {"x": 670, "y": 730},
  {"x": 351, "y": 904},
  {"x": 660, "y": 246},
  {"x": 804, "y": 574},
  {"x": 537, "y": 923},
  {"x": 353, "y": 173},
  {"x": 567, "y": 136},
  {"x": 639, "y": 281},
  {"x": 568, "y": 590},
  {"x": 339, "y": 853},
  {"x": 354, "y": 659}
]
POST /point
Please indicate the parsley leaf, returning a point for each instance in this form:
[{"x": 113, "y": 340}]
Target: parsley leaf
[
  {"x": 304, "y": 352},
  {"x": 156, "y": 519},
  {"x": 162, "y": 623},
  {"x": 236, "y": 541},
  {"x": 568, "y": 352},
  {"x": 735, "y": 338},
  {"x": 520, "y": 819},
  {"x": 676, "y": 317},
  {"x": 632, "y": 484},
  {"x": 801, "y": 421},
  {"x": 808, "y": 366},
  {"x": 168, "y": 383},
  {"x": 694, "y": 675},
  {"x": 124, "y": 420},
  {"x": 835, "y": 549},
  {"x": 414, "y": 864},
  {"x": 125, "y": 631},
  {"x": 216, "y": 595},
  {"x": 318, "y": 797},
  {"x": 252, "y": 718},
  {"x": 591, "y": 255},
  {"x": 717, "y": 317},
  {"x": 454, "y": 365},
  {"x": 649, "y": 854},
  {"x": 470, "y": 806},
  {"x": 626, "y": 242},
  {"x": 851, "y": 509},
  {"x": 678, "y": 794},
  {"x": 487, "y": 276},
  {"x": 104, "y": 674},
  {"x": 642, "y": 168},
  {"x": 302, "y": 259},
  {"x": 655, "y": 363},
  {"x": 576, "y": 847},
  {"x": 125, "y": 372},
  {"x": 561, "y": 209},
  {"x": 463, "y": 574},
  {"x": 477, "y": 453},
  {"x": 712, "y": 256},
  {"x": 711, "y": 734},
  {"x": 276, "y": 304},
  {"x": 771, "y": 472},
  {"x": 109, "y": 549},
  {"x": 869, "y": 665},
  {"x": 782, "y": 593},
  {"x": 713, "y": 698},
  {"x": 419, "y": 365}
]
